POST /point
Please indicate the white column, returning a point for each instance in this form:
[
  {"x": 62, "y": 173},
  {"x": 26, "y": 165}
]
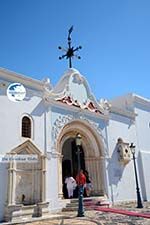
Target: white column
[
  {"x": 12, "y": 182},
  {"x": 43, "y": 170},
  {"x": 60, "y": 184}
]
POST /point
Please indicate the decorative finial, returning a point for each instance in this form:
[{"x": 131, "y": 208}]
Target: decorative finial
[{"x": 70, "y": 51}]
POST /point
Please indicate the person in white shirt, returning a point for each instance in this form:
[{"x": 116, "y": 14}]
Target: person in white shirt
[{"x": 71, "y": 185}]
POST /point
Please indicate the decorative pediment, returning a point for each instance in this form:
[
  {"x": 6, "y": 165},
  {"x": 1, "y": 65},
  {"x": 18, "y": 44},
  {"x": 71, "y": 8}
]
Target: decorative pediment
[
  {"x": 26, "y": 147},
  {"x": 74, "y": 90}
]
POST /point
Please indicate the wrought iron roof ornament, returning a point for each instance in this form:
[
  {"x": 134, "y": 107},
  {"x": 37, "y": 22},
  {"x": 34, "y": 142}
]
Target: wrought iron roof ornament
[{"x": 70, "y": 51}]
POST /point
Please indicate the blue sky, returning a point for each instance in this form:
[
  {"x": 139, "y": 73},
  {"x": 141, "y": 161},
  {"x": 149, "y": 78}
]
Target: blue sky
[{"x": 114, "y": 35}]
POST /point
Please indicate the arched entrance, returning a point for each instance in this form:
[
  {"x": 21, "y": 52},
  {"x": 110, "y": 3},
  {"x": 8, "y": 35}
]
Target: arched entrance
[{"x": 93, "y": 154}]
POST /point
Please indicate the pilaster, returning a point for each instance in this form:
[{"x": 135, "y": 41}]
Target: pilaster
[
  {"x": 60, "y": 183},
  {"x": 43, "y": 170},
  {"x": 12, "y": 182},
  {"x": 94, "y": 165}
]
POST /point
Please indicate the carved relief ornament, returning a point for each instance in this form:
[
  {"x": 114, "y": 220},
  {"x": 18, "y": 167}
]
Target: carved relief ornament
[{"x": 59, "y": 123}]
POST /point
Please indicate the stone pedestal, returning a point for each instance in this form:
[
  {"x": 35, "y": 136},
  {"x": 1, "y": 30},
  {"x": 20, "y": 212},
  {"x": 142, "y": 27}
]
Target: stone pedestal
[
  {"x": 16, "y": 213},
  {"x": 12, "y": 211},
  {"x": 42, "y": 209}
]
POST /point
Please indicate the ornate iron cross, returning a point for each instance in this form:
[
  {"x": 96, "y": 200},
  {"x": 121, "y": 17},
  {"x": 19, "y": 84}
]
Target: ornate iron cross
[{"x": 70, "y": 50}]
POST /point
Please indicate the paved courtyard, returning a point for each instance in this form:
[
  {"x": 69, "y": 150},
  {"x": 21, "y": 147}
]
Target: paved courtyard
[{"x": 93, "y": 217}]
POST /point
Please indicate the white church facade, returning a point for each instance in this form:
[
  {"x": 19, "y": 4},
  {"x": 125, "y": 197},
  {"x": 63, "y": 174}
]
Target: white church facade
[{"x": 45, "y": 124}]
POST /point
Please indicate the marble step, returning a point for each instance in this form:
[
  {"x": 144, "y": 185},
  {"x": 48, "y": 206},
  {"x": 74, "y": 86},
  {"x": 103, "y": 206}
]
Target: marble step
[{"x": 87, "y": 202}]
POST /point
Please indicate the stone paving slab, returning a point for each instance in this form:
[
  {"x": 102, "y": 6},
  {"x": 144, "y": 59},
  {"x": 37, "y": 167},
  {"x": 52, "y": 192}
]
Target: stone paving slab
[{"x": 93, "y": 217}]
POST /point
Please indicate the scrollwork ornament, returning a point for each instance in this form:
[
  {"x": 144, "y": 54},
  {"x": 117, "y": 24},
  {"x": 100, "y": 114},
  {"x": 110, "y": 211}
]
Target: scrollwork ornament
[
  {"x": 97, "y": 128},
  {"x": 95, "y": 125},
  {"x": 59, "y": 123}
]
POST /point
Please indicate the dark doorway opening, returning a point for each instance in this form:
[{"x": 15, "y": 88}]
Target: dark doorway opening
[{"x": 70, "y": 161}]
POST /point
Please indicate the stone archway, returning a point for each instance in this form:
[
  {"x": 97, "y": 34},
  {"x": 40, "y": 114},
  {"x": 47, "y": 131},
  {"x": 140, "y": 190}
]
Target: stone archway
[{"x": 93, "y": 153}]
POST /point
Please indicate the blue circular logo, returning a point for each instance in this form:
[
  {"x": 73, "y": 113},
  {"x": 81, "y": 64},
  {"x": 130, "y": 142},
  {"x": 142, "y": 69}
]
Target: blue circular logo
[{"x": 16, "y": 92}]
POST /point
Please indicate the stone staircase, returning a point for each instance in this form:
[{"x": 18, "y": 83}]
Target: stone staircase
[{"x": 88, "y": 203}]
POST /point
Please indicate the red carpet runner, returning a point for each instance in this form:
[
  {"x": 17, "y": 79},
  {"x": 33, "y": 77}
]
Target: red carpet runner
[{"x": 118, "y": 211}]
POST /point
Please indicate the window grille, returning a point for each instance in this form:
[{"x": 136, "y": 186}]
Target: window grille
[{"x": 26, "y": 127}]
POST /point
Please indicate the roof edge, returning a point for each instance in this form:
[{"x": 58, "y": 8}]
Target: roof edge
[{"x": 17, "y": 77}]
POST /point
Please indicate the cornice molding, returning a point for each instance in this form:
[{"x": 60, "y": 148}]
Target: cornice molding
[
  {"x": 142, "y": 101},
  {"x": 123, "y": 112},
  {"x": 16, "y": 77}
]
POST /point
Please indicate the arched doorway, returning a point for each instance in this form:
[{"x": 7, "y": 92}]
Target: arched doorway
[
  {"x": 70, "y": 160},
  {"x": 93, "y": 152}
]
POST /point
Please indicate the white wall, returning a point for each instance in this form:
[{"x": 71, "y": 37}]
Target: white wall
[
  {"x": 120, "y": 177},
  {"x": 143, "y": 127},
  {"x": 143, "y": 145},
  {"x": 3, "y": 188},
  {"x": 10, "y": 128},
  {"x": 10, "y": 121},
  {"x": 144, "y": 161}
]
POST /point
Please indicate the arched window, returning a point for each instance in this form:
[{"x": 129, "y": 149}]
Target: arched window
[{"x": 26, "y": 127}]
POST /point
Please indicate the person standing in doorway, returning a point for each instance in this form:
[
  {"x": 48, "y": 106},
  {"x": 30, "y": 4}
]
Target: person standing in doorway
[
  {"x": 71, "y": 185},
  {"x": 81, "y": 179}
]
